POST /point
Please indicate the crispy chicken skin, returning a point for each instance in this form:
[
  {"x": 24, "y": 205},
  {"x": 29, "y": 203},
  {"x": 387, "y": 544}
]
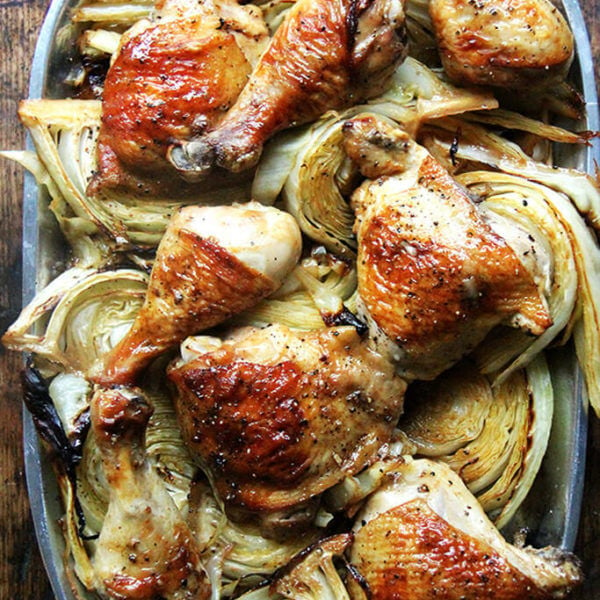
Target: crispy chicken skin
[
  {"x": 170, "y": 80},
  {"x": 508, "y": 43},
  {"x": 277, "y": 416},
  {"x": 212, "y": 263},
  {"x": 145, "y": 549},
  {"x": 423, "y": 536},
  {"x": 433, "y": 277},
  {"x": 326, "y": 54}
]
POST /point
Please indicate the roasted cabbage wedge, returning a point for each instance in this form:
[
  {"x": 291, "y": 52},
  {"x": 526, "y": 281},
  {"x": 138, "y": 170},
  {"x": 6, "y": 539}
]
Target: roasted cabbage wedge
[
  {"x": 494, "y": 437},
  {"x": 242, "y": 555},
  {"x": 320, "y": 572},
  {"x": 77, "y": 318}
]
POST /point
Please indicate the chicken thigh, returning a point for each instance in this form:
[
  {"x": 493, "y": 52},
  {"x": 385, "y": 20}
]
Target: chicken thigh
[
  {"x": 326, "y": 54},
  {"x": 423, "y": 535},
  {"x": 171, "y": 79},
  {"x": 433, "y": 277},
  {"x": 508, "y": 43},
  {"x": 145, "y": 549},
  {"x": 277, "y": 416},
  {"x": 212, "y": 263}
]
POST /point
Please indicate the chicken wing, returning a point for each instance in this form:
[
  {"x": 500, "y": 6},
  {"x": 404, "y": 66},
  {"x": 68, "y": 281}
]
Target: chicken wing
[
  {"x": 433, "y": 276},
  {"x": 326, "y": 54},
  {"x": 278, "y": 416},
  {"x": 170, "y": 80},
  {"x": 508, "y": 43},
  {"x": 145, "y": 549},
  {"x": 423, "y": 535},
  {"x": 212, "y": 263}
]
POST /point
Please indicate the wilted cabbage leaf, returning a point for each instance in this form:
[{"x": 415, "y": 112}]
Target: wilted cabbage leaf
[
  {"x": 457, "y": 139},
  {"x": 78, "y": 317},
  {"x": 123, "y": 12},
  {"x": 317, "y": 293},
  {"x": 315, "y": 576},
  {"x": 311, "y": 575}
]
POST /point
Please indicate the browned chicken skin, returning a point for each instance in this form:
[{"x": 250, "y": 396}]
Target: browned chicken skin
[
  {"x": 278, "y": 416},
  {"x": 423, "y": 536},
  {"x": 145, "y": 550},
  {"x": 212, "y": 263},
  {"x": 170, "y": 80},
  {"x": 508, "y": 43},
  {"x": 433, "y": 277},
  {"x": 326, "y": 54}
]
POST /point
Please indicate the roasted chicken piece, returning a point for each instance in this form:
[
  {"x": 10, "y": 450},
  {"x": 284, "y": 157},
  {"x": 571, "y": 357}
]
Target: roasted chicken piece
[
  {"x": 508, "y": 43},
  {"x": 326, "y": 54},
  {"x": 145, "y": 549},
  {"x": 433, "y": 276},
  {"x": 423, "y": 535},
  {"x": 212, "y": 263},
  {"x": 277, "y": 416},
  {"x": 171, "y": 79}
]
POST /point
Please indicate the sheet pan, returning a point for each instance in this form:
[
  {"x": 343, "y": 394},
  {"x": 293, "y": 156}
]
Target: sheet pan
[{"x": 552, "y": 509}]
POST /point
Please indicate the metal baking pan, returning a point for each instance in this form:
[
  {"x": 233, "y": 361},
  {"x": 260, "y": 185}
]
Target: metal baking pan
[{"x": 554, "y": 521}]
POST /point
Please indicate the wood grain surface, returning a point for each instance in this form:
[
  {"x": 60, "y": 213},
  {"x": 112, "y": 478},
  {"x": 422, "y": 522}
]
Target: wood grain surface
[{"x": 22, "y": 574}]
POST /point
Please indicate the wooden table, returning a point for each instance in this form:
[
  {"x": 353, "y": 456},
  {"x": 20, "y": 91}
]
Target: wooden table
[{"x": 22, "y": 575}]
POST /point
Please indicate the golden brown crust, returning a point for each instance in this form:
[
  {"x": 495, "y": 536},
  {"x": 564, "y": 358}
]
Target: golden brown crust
[
  {"x": 509, "y": 43},
  {"x": 195, "y": 284},
  {"x": 423, "y": 278},
  {"x": 170, "y": 81},
  {"x": 315, "y": 62},
  {"x": 423, "y": 557},
  {"x": 253, "y": 427},
  {"x": 276, "y": 433},
  {"x": 432, "y": 274}
]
